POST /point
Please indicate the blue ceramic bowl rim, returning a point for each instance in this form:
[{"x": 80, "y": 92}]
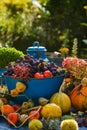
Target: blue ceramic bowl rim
[
  {"x": 48, "y": 77},
  {"x": 62, "y": 75}
]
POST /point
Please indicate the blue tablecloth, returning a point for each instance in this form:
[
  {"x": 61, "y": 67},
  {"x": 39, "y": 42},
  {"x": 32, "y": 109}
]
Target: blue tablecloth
[{"x": 5, "y": 126}]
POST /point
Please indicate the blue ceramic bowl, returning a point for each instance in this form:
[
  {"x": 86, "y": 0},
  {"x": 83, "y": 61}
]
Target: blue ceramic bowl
[
  {"x": 2, "y": 70},
  {"x": 36, "y": 88}
]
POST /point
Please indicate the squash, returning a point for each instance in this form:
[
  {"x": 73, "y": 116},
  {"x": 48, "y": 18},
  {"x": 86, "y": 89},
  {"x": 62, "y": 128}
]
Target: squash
[
  {"x": 79, "y": 96},
  {"x": 69, "y": 124},
  {"x": 51, "y": 110},
  {"x": 61, "y": 99}
]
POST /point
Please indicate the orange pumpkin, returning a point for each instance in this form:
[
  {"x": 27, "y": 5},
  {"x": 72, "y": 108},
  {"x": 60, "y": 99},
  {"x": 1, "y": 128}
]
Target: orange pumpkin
[{"x": 79, "y": 97}]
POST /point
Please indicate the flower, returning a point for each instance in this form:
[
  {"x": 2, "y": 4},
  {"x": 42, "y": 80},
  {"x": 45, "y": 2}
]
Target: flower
[
  {"x": 64, "y": 50},
  {"x": 76, "y": 67}
]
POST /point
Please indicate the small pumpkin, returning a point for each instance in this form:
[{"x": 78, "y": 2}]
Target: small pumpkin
[
  {"x": 61, "y": 99},
  {"x": 69, "y": 124},
  {"x": 20, "y": 87},
  {"x": 51, "y": 110},
  {"x": 79, "y": 96}
]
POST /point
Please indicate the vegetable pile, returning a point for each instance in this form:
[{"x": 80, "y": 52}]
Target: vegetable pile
[{"x": 63, "y": 111}]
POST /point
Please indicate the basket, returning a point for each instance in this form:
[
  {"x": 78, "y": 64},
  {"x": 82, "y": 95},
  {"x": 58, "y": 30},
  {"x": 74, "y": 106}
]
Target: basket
[{"x": 36, "y": 88}]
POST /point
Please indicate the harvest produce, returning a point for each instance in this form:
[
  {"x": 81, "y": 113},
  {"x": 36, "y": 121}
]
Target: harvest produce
[
  {"x": 14, "y": 93},
  {"x": 35, "y": 124},
  {"x": 65, "y": 109},
  {"x": 51, "y": 124},
  {"x": 69, "y": 124},
  {"x": 51, "y": 110},
  {"x": 3, "y": 90},
  {"x": 79, "y": 96},
  {"x": 20, "y": 87},
  {"x": 23, "y": 117},
  {"x": 36, "y": 115},
  {"x": 16, "y": 107},
  {"x": 27, "y": 67},
  {"x": 12, "y": 118},
  {"x": 6, "y": 109},
  {"x": 43, "y": 101},
  {"x": 61, "y": 99}
]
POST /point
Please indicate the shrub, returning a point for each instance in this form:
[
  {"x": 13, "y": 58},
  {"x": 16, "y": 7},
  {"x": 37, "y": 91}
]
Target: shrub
[{"x": 8, "y": 55}]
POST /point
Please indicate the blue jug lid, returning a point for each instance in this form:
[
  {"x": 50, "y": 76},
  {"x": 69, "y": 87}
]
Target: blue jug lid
[{"x": 36, "y": 47}]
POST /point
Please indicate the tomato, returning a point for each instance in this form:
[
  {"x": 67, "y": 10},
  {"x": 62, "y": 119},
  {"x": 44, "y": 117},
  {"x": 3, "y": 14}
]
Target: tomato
[
  {"x": 41, "y": 76},
  {"x": 47, "y": 74},
  {"x": 38, "y": 75}
]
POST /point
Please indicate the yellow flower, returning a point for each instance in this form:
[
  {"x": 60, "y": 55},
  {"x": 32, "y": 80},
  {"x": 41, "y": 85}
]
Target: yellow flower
[
  {"x": 85, "y": 7},
  {"x": 64, "y": 50}
]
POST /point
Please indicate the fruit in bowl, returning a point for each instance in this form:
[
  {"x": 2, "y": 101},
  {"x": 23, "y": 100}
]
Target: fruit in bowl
[
  {"x": 41, "y": 78},
  {"x": 27, "y": 67}
]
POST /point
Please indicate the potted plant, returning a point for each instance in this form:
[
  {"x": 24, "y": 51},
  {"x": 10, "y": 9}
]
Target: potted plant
[{"x": 8, "y": 55}]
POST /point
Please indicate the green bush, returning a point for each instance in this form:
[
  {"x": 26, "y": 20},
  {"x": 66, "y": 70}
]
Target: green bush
[{"x": 8, "y": 55}]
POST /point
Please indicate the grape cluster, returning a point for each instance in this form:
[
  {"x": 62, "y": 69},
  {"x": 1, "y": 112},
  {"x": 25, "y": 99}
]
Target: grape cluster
[
  {"x": 21, "y": 71},
  {"x": 25, "y": 68}
]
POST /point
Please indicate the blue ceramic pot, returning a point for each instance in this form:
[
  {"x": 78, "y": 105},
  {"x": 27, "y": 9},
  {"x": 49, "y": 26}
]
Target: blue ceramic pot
[{"x": 36, "y": 87}]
